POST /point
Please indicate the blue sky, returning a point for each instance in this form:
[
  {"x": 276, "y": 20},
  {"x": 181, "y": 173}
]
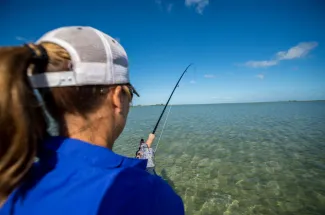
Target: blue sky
[{"x": 243, "y": 51}]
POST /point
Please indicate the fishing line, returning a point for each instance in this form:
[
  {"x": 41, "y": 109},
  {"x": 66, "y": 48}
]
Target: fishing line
[
  {"x": 154, "y": 130},
  {"x": 194, "y": 75},
  {"x": 162, "y": 131},
  {"x": 162, "y": 113}
]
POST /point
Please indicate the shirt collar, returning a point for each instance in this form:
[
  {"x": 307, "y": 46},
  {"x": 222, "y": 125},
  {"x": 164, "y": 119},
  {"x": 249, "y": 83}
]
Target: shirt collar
[{"x": 93, "y": 154}]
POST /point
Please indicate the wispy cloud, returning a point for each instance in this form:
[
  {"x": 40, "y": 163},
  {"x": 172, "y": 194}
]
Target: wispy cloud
[
  {"x": 164, "y": 5},
  {"x": 20, "y": 38},
  {"x": 299, "y": 51},
  {"x": 260, "y": 76},
  {"x": 209, "y": 76},
  {"x": 169, "y": 7},
  {"x": 259, "y": 64},
  {"x": 192, "y": 82},
  {"x": 24, "y": 39},
  {"x": 198, "y": 4},
  {"x": 159, "y": 2}
]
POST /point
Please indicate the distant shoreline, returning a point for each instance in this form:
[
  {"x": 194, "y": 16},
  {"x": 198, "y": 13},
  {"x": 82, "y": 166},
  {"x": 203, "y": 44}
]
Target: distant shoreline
[{"x": 290, "y": 101}]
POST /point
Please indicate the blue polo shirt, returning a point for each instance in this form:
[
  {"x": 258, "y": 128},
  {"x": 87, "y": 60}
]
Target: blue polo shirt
[{"x": 75, "y": 177}]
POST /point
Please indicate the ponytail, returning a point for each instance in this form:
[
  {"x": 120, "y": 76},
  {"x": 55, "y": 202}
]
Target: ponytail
[
  {"x": 23, "y": 125},
  {"x": 22, "y": 121}
]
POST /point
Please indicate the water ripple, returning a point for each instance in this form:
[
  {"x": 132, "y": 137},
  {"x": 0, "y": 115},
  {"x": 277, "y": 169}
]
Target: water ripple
[{"x": 239, "y": 158}]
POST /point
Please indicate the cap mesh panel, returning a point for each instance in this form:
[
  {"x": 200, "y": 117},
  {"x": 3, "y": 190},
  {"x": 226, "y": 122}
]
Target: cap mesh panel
[{"x": 86, "y": 42}]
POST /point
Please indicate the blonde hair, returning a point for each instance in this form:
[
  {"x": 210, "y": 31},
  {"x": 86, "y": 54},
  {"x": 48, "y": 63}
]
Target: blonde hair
[{"x": 23, "y": 125}]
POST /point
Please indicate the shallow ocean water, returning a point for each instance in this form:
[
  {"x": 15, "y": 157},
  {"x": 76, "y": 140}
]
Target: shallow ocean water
[{"x": 229, "y": 159}]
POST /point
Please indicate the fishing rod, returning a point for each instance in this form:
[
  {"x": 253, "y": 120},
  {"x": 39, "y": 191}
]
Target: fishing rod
[{"x": 162, "y": 113}]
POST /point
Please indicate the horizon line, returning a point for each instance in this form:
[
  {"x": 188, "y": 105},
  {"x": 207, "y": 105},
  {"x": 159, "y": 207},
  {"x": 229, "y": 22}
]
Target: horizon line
[{"x": 316, "y": 100}]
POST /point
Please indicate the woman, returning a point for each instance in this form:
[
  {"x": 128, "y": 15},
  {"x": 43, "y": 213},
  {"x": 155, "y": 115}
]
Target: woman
[{"x": 82, "y": 76}]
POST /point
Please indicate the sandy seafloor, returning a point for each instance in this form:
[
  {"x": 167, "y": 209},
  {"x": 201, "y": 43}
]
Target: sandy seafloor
[{"x": 262, "y": 158}]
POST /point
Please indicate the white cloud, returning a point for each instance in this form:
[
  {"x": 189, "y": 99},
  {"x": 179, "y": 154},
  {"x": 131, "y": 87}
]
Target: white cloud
[
  {"x": 198, "y": 4},
  {"x": 192, "y": 82},
  {"x": 298, "y": 51},
  {"x": 260, "y": 76},
  {"x": 209, "y": 76},
  {"x": 258, "y": 64}
]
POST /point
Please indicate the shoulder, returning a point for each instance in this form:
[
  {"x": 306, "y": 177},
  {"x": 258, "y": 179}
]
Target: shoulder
[{"x": 136, "y": 191}]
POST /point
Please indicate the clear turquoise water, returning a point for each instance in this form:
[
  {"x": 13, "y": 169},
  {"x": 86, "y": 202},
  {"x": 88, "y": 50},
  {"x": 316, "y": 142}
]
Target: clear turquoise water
[{"x": 266, "y": 158}]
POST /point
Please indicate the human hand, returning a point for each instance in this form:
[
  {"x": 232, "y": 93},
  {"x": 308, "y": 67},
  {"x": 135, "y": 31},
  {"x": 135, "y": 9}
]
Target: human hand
[{"x": 150, "y": 139}]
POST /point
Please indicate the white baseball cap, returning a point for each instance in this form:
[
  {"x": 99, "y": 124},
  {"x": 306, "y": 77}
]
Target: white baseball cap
[{"x": 96, "y": 59}]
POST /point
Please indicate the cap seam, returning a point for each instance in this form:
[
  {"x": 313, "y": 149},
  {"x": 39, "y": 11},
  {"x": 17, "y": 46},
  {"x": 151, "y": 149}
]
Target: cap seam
[{"x": 109, "y": 57}]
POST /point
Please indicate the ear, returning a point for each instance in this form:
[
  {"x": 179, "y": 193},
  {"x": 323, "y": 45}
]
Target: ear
[{"x": 117, "y": 98}]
